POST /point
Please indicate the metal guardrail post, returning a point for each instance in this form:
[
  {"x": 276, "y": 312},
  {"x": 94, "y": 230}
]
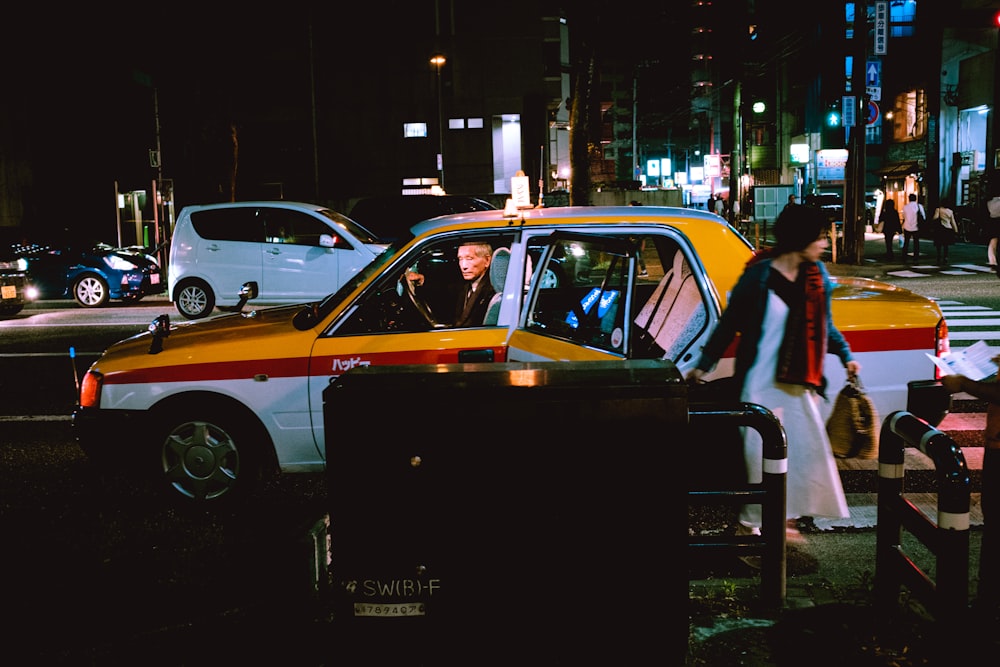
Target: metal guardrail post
[
  {"x": 770, "y": 494},
  {"x": 947, "y": 537},
  {"x": 989, "y": 581}
]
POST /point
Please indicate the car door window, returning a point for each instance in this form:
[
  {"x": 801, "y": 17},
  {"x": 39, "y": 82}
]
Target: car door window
[
  {"x": 228, "y": 224},
  {"x": 423, "y": 293},
  {"x": 583, "y": 291},
  {"x": 295, "y": 227},
  {"x": 668, "y": 308}
]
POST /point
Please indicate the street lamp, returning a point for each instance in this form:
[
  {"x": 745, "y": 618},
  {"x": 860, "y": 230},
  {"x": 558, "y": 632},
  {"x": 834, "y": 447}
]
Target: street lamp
[{"x": 438, "y": 60}]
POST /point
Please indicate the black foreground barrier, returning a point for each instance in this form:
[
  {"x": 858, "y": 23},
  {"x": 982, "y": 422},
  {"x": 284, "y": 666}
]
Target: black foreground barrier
[
  {"x": 769, "y": 493},
  {"x": 947, "y": 595},
  {"x": 507, "y": 513}
]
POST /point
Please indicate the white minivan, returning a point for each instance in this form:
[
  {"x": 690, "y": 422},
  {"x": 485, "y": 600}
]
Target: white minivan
[{"x": 295, "y": 252}]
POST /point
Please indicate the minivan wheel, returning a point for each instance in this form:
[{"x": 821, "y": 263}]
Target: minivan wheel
[
  {"x": 90, "y": 291},
  {"x": 194, "y": 299}
]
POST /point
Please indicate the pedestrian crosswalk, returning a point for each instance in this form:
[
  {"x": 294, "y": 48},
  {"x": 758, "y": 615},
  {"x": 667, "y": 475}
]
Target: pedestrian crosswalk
[
  {"x": 928, "y": 270},
  {"x": 968, "y": 324}
]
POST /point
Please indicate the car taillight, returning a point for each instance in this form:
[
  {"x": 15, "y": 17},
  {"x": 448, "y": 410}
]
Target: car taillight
[
  {"x": 941, "y": 344},
  {"x": 90, "y": 390}
]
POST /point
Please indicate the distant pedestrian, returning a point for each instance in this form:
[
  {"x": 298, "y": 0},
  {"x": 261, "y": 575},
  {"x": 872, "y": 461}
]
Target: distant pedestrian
[
  {"x": 945, "y": 229},
  {"x": 993, "y": 230},
  {"x": 720, "y": 206},
  {"x": 792, "y": 201},
  {"x": 890, "y": 226},
  {"x": 912, "y": 212}
]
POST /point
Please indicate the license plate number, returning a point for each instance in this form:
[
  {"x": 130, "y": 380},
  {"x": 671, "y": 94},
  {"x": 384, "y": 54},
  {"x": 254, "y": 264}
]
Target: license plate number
[
  {"x": 154, "y": 279},
  {"x": 8, "y": 291},
  {"x": 390, "y": 610}
]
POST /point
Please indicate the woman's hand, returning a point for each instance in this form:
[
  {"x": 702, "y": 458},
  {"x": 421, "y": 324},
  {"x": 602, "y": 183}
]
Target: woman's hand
[
  {"x": 694, "y": 376},
  {"x": 853, "y": 368}
]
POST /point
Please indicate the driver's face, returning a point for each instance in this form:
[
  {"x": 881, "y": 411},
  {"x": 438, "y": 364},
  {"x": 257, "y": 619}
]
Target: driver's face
[{"x": 472, "y": 265}]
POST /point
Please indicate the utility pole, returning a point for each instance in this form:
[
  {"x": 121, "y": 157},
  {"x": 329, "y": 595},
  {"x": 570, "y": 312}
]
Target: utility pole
[
  {"x": 159, "y": 229},
  {"x": 736, "y": 155},
  {"x": 854, "y": 192},
  {"x": 635, "y": 122}
]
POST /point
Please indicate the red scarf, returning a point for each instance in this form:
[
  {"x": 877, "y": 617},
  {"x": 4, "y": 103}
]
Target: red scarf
[{"x": 800, "y": 359}]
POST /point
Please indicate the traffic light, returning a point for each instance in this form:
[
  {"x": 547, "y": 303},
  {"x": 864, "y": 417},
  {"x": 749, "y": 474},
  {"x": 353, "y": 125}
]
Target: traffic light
[{"x": 833, "y": 118}]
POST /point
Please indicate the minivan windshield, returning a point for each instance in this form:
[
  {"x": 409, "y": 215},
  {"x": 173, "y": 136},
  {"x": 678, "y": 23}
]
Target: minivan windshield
[{"x": 357, "y": 231}]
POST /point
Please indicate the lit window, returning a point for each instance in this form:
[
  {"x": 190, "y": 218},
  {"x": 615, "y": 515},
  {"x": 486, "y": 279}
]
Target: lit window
[
  {"x": 902, "y": 17},
  {"x": 414, "y": 130},
  {"x": 475, "y": 123},
  {"x": 456, "y": 123},
  {"x": 909, "y": 116}
]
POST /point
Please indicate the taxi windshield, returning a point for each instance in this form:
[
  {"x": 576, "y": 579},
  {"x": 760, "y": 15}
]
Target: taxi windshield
[{"x": 387, "y": 255}]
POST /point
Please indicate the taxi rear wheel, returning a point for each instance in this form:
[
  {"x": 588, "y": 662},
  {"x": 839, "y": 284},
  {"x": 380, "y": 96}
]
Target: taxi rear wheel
[{"x": 209, "y": 453}]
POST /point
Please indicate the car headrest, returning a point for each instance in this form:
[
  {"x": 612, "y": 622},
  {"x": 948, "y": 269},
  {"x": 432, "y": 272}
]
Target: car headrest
[{"x": 498, "y": 268}]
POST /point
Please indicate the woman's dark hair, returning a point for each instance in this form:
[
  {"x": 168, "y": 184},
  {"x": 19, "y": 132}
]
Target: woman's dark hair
[{"x": 797, "y": 227}]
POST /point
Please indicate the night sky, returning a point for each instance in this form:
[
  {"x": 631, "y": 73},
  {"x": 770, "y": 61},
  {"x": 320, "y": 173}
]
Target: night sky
[{"x": 78, "y": 102}]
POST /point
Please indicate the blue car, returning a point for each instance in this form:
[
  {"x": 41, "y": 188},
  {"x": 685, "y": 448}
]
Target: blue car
[{"x": 95, "y": 276}]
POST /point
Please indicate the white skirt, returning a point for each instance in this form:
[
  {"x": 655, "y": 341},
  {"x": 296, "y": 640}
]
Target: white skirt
[{"x": 813, "y": 482}]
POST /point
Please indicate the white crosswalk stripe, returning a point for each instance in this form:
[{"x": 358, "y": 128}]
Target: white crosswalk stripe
[
  {"x": 928, "y": 270},
  {"x": 968, "y": 324}
]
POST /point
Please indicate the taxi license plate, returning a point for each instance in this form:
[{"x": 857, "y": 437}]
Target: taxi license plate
[
  {"x": 390, "y": 610},
  {"x": 8, "y": 291},
  {"x": 154, "y": 279}
]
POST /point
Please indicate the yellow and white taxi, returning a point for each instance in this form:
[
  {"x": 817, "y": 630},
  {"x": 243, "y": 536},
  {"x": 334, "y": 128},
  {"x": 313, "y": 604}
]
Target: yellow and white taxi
[{"x": 222, "y": 402}]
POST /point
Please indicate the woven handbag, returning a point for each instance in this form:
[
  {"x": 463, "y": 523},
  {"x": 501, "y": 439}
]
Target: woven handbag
[{"x": 853, "y": 423}]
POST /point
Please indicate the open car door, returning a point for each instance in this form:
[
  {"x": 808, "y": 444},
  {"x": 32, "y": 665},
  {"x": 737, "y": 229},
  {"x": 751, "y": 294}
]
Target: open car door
[
  {"x": 578, "y": 300},
  {"x": 587, "y": 301}
]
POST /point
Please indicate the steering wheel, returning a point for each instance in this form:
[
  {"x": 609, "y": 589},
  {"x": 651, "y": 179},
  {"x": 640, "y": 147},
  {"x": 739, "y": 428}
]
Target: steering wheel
[{"x": 411, "y": 292}]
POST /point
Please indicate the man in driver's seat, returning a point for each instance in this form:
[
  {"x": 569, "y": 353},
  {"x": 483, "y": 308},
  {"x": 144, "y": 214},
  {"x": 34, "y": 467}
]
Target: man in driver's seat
[{"x": 474, "y": 296}]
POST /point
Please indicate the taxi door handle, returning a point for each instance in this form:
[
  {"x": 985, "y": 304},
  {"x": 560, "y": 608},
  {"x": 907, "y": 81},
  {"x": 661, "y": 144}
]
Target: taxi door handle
[{"x": 471, "y": 356}]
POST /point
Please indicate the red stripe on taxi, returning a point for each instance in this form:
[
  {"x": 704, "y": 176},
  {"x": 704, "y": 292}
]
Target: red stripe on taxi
[
  {"x": 877, "y": 340},
  {"x": 897, "y": 340},
  {"x": 289, "y": 367}
]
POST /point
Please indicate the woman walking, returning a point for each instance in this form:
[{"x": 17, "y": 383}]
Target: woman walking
[
  {"x": 890, "y": 226},
  {"x": 945, "y": 229},
  {"x": 781, "y": 308}
]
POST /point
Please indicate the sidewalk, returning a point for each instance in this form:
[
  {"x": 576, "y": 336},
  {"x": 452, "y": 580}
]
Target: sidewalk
[
  {"x": 829, "y": 617},
  {"x": 962, "y": 257}
]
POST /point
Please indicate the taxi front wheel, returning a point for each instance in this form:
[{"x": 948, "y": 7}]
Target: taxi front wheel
[{"x": 209, "y": 456}]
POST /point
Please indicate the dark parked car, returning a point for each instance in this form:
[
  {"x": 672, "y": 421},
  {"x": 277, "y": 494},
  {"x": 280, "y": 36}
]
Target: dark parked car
[
  {"x": 389, "y": 217},
  {"x": 93, "y": 276},
  {"x": 833, "y": 205},
  {"x": 14, "y": 286}
]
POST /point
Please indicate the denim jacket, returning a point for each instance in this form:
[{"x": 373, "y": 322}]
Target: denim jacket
[{"x": 744, "y": 315}]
